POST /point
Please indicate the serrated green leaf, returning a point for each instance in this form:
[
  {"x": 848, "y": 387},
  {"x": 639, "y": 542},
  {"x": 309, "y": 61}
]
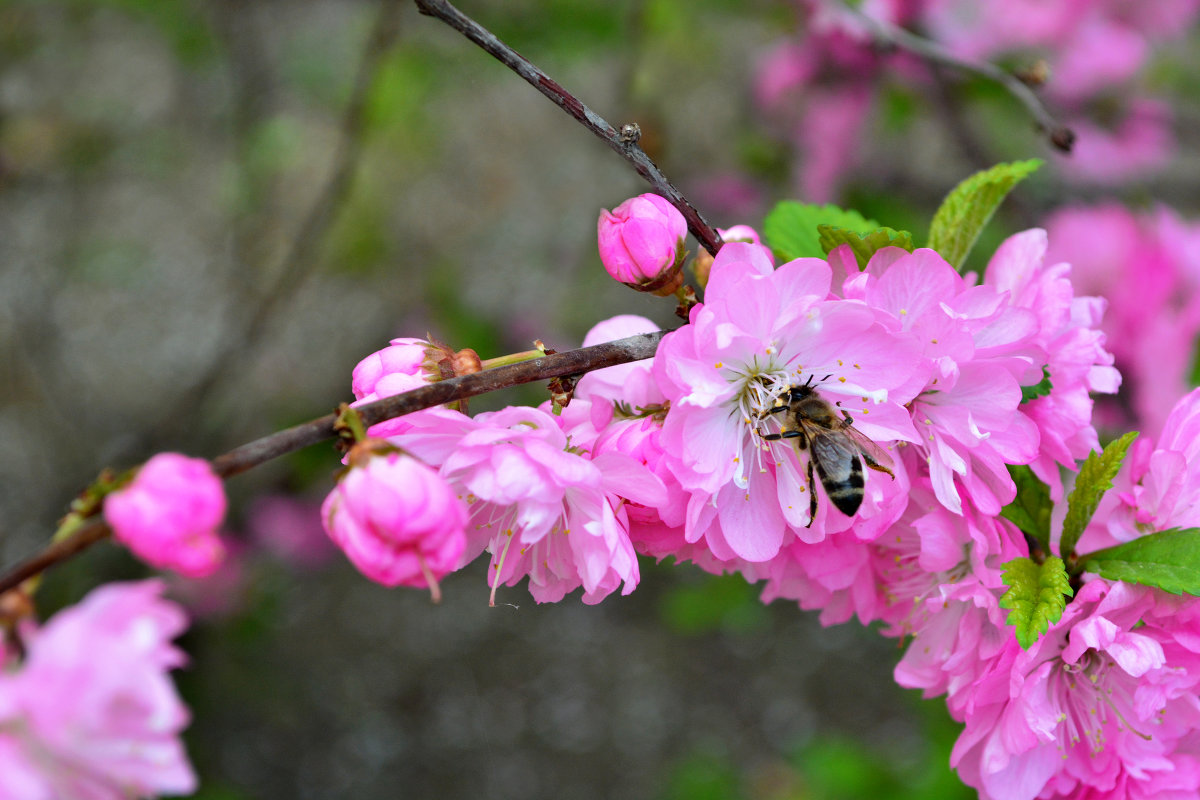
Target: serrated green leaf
[
  {"x": 970, "y": 205},
  {"x": 1039, "y": 389},
  {"x": 1167, "y": 560},
  {"x": 1030, "y": 510},
  {"x": 791, "y": 228},
  {"x": 864, "y": 246},
  {"x": 1094, "y": 479},
  {"x": 1035, "y": 596}
]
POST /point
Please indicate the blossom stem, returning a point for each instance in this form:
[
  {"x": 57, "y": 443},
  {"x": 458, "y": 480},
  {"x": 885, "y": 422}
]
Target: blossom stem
[
  {"x": 624, "y": 144},
  {"x": 884, "y": 33},
  {"x": 512, "y": 358},
  {"x": 280, "y": 443},
  {"x": 435, "y": 591}
]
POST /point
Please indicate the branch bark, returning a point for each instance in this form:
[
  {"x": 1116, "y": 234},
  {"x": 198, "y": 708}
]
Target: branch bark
[{"x": 240, "y": 459}]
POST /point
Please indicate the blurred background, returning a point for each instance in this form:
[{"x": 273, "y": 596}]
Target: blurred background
[{"x": 210, "y": 210}]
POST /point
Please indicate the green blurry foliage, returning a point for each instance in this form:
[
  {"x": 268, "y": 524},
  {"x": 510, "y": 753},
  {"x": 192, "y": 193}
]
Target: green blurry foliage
[{"x": 724, "y": 604}]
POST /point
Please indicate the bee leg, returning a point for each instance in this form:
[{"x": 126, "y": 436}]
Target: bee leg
[
  {"x": 812, "y": 499},
  {"x": 875, "y": 465},
  {"x": 784, "y": 435}
]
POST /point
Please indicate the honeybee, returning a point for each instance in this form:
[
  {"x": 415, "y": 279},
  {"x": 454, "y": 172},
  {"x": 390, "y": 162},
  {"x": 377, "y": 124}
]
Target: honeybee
[{"x": 835, "y": 449}]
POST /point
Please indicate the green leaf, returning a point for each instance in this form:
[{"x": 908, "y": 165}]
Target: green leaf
[
  {"x": 1035, "y": 596},
  {"x": 1168, "y": 560},
  {"x": 791, "y": 228},
  {"x": 1039, "y": 389},
  {"x": 864, "y": 247},
  {"x": 970, "y": 205},
  {"x": 1030, "y": 510},
  {"x": 1094, "y": 479}
]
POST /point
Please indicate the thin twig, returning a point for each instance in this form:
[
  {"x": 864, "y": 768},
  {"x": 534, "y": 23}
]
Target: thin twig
[
  {"x": 624, "y": 145},
  {"x": 240, "y": 459},
  {"x": 886, "y": 34}
]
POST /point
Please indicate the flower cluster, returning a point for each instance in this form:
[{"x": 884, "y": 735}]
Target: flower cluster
[
  {"x": 1089, "y": 51},
  {"x": 844, "y": 435},
  {"x": 91, "y": 711}
]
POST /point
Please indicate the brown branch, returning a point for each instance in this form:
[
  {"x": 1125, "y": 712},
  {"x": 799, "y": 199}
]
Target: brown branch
[
  {"x": 889, "y": 35},
  {"x": 240, "y": 459},
  {"x": 624, "y": 145}
]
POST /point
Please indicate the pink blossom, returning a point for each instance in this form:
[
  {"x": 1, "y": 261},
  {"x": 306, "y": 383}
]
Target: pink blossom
[
  {"x": 1068, "y": 343},
  {"x": 759, "y": 333},
  {"x": 290, "y": 529},
  {"x": 402, "y": 366},
  {"x": 168, "y": 515},
  {"x": 92, "y": 712},
  {"x": 1100, "y": 699},
  {"x": 392, "y": 517},
  {"x": 1158, "y": 486},
  {"x": 1139, "y": 141},
  {"x": 1148, "y": 268},
  {"x": 642, "y": 242},
  {"x": 539, "y": 506},
  {"x": 397, "y": 520},
  {"x": 968, "y": 415}
]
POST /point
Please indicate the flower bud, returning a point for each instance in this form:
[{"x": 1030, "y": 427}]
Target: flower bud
[
  {"x": 398, "y": 521},
  {"x": 404, "y": 365},
  {"x": 641, "y": 244},
  {"x": 168, "y": 515}
]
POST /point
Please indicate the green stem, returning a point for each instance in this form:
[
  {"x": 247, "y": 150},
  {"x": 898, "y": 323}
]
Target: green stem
[{"x": 512, "y": 358}]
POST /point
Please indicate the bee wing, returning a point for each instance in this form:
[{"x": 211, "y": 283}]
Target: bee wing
[
  {"x": 870, "y": 448},
  {"x": 834, "y": 452}
]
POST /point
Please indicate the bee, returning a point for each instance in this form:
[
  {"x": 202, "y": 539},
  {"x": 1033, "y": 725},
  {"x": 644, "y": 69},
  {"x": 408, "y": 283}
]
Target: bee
[{"x": 835, "y": 449}]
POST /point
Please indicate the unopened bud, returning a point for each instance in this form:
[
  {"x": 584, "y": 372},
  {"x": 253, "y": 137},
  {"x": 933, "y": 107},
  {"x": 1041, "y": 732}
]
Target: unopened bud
[{"x": 641, "y": 244}]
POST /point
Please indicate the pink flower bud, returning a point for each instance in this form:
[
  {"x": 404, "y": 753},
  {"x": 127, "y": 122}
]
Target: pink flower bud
[
  {"x": 168, "y": 515},
  {"x": 641, "y": 244},
  {"x": 405, "y": 365},
  {"x": 398, "y": 521}
]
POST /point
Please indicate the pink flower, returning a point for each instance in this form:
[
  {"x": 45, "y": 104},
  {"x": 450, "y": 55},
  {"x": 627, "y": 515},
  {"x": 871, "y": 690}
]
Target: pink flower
[
  {"x": 760, "y": 333},
  {"x": 967, "y": 413},
  {"x": 168, "y": 515},
  {"x": 1102, "y": 698},
  {"x": 642, "y": 243},
  {"x": 290, "y": 529},
  {"x": 1158, "y": 486},
  {"x": 541, "y": 508},
  {"x": 402, "y": 366},
  {"x": 1068, "y": 343},
  {"x": 397, "y": 520},
  {"x": 92, "y": 712},
  {"x": 1148, "y": 268}
]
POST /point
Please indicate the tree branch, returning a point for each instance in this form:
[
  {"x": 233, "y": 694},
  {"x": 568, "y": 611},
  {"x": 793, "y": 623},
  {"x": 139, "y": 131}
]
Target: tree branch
[
  {"x": 623, "y": 142},
  {"x": 884, "y": 33},
  {"x": 240, "y": 459}
]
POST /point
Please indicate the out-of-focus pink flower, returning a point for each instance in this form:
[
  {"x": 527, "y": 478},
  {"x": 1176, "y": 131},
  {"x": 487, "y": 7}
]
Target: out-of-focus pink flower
[
  {"x": 1139, "y": 141},
  {"x": 642, "y": 243},
  {"x": 1148, "y": 268},
  {"x": 829, "y": 140},
  {"x": 92, "y": 712},
  {"x": 168, "y": 515},
  {"x": 290, "y": 529},
  {"x": 397, "y": 520}
]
